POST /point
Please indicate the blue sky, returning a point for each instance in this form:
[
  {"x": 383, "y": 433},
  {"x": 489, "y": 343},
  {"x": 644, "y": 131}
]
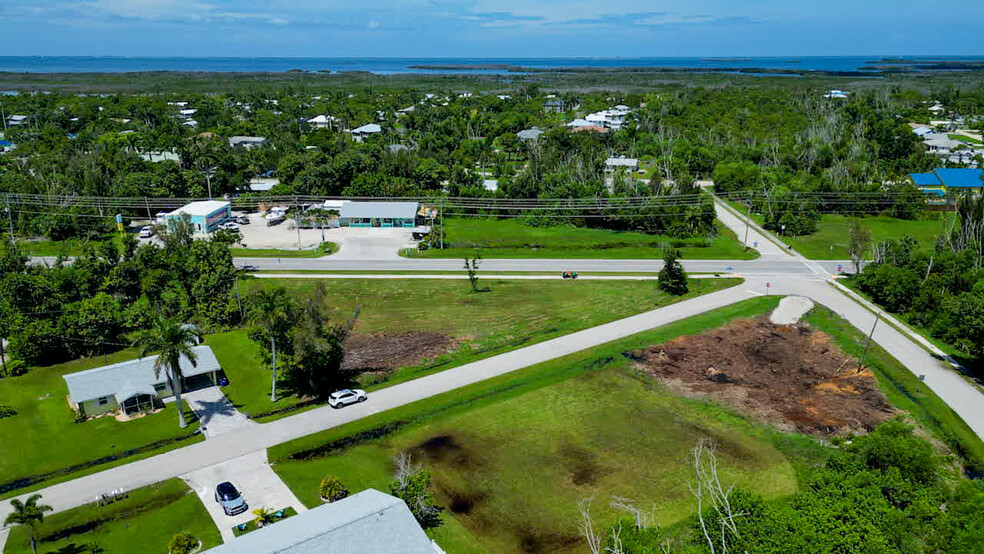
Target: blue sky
[{"x": 491, "y": 28}]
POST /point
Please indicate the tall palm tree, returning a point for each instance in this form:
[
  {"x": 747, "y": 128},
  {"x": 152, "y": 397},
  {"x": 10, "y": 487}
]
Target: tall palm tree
[
  {"x": 28, "y": 513},
  {"x": 273, "y": 311},
  {"x": 170, "y": 340}
]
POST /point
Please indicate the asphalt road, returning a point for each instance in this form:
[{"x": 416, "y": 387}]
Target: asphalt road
[{"x": 778, "y": 271}]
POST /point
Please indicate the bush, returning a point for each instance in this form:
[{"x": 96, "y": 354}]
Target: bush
[
  {"x": 332, "y": 489},
  {"x": 7, "y": 411},
  {"x": 183, "y": 543}
]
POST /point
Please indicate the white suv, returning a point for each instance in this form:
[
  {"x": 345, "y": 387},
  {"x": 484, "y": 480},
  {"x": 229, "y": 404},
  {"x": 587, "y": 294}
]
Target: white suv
[{"x": 344, "y": 397}]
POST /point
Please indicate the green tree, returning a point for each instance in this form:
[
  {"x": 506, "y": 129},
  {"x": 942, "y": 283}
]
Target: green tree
[
  {"x": 319, "y": 348},
  {"x": 182, "y": 543},
  {"x": 471, "y": 266},
  {"x": 672, "y": 278},
  {"x": 412, "y": 485},
  {"x": 30, "y": 514},
  {"x": 274, "y": 311},
  {"x": 170, "y": 340},
  {"x": 860, "y": 242}
]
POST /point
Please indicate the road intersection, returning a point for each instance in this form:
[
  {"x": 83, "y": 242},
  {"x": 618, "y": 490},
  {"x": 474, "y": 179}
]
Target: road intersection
[{"x": 779, "y": 271}]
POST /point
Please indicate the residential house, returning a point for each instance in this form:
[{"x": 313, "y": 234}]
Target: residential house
[
  {"x": 378, "y": 214},
  {"x": 614, "y": 164},
  {"x": 836, "y": 94},
  {"x": 263, "y": 184},
  {"x": 7, "y": 146},
  {"x": 368, "y": 521},
  {"x": 17, "y": 120},
  {"x": 939, "y": 144},
  {"x": 529, "y": 134},
  {"x": 405, "y": 111},
  {"x": 361, "y": 133},
  {"x": 490, "y": 185},
  {"x": 942, "y": 181},
  {"x": 555, "y": 105},
  {"x": 248, "y": 143},
  {"x": 324, "y": 122},
  {"x": 132, "y": 387}
]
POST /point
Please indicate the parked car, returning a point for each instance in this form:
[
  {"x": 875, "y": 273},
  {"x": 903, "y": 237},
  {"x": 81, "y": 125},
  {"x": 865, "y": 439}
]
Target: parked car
[
  {"x": 230, "y": 499},
  {"x": 230, "y": 226},
  {"x": 146, "y": 232},
  {"x": 241, "y": 219},
  {"x": 275, "y": 218},
  {"x": 344, "y": 397}
]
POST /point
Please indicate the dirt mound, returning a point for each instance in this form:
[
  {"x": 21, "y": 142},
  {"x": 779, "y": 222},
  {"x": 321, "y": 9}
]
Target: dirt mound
[
  {"x": 386, "y": 351},
  {"x": 789, "y": 375}
]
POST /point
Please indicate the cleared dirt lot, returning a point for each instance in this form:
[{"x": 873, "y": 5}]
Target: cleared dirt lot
[{"x": 790, "y": 375}]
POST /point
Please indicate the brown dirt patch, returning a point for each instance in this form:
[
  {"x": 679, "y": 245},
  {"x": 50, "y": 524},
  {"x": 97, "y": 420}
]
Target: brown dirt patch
[
  {"x": 389, "y": 351},
  {"x": 793, "y": 376}
]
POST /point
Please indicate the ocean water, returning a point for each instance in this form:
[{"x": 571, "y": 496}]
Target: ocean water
[{"x": 389, "y": 66}]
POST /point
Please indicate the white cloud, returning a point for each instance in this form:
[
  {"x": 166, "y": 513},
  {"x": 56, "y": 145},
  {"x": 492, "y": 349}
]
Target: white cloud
[{"x": 373, "y": 24}]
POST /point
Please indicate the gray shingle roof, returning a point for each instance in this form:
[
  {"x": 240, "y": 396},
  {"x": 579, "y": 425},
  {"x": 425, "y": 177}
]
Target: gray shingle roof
[
  {"x": 125, "y": 377},
  {"x": 369, "y": 521},
  {"x": 379, "y": 210}
]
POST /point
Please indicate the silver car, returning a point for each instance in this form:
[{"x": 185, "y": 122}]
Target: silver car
[
  {"x": 344, "y": 397},
  {"x": 230, "y": 499}
]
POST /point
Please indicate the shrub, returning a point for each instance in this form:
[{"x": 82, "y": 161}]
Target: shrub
[
  {"x": 183, "y": 543},
  {"x": 332, "y": 490},
  {"x": 7, "y": 411}
]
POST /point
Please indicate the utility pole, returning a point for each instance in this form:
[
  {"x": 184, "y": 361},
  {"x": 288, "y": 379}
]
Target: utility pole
[
  {"x": 440, "y": 214},
  {"x": 10, "y": 221},
  {"x": 868, "y": 342}
]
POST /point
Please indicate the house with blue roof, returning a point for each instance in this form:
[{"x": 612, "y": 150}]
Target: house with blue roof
[{"x": 941, "y": 180}]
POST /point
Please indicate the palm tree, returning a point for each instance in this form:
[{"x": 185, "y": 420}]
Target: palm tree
[
  {"x": 28, "y": 513},
  {"x": 272, "y": 311},
  {"x": 171, "y": 341}
]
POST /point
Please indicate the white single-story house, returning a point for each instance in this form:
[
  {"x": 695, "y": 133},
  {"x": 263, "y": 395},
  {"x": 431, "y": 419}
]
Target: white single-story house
[
  {"x": 132, "y": 386},
  {"x": 581, "y": 122},
  {"x": 162, "y": 156},
  {"x": 323, "y": 122},
  {"x": 206, "y": 215},
  {"x": 247, "y": 142},
  {"x": 369, "y": 521},
  {"x": 365, "y": 131},
  {"x": 836, "y": 94},
  {"x": 612, "y": 164},
  {"x": 263, "y": 184},
  {"x": 16, "y": 120},
  {"x": 378, "y": 214},
  {"x": 939, "y": 144}
]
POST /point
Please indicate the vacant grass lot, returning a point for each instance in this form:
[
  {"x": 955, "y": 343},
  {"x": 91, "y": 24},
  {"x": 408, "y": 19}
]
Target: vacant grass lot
[
  {"x": 143, "y": 522},
  {"x": 513, "y": 314},
  {"x": 513, "y": 239},
  {"x": 833, "y": 237},
  {"x": 43, "y": 437},
  {"x": 512, "y": 456},
  {"x": 71, "y": 247}
]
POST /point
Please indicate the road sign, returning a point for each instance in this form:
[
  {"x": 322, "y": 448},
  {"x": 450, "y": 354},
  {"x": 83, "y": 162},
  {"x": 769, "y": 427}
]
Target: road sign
[{"x": 840, "y": 268}]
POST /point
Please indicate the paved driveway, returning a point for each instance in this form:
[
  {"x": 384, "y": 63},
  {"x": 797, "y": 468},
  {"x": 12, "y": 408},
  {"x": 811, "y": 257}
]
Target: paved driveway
[
  {"x": 216, "y": 414},
  {"x": 252, "y": 475}
]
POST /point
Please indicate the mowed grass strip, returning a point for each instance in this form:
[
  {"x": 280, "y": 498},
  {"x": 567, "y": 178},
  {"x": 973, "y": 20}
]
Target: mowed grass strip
[
  {"x": 325, "y": 249},
  {"x": 145, "y": 521},
  {"x": 43, "y": 436},
  {"x": 904, "y": 389},
  {"x": 513, "y": 239},
  {"x": 833, "y": 236},
  {"x": 512, "y": 315},
  {"x": 511, "y": 457}
]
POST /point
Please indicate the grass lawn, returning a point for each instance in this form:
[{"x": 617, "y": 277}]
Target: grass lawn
[
  {"x": 512, "y": 315},
  {"x": 43, "y": 437},
  {"x": 145, "y": 521},
  {"x": 325, "y": 249},
  {"x": 832, "y": 239},
  {"x": 513, "y": 239},
  {"x": 965, "y": 138},
  {"x": 513, "y": 455}
]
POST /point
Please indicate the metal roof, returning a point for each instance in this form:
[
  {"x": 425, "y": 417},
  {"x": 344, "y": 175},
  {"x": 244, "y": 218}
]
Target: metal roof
[
  {"x": 370, "y": 128},
  {"x": 115, "y": 379},
  {"x": 379, "y": 210},
  {"x": 369, "y": 521},
  {"x": 529, "y": 134},
  {"x": 622, "y": 162},
  {"x": 960, "y": 178},
  {"x": 925, "y": 179},
  {"x": 202, "y": 208}
]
